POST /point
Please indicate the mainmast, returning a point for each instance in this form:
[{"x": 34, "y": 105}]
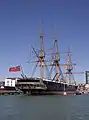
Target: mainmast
[
  {"x": 56, "y": 59},
  {"x": 55, "y": 63},
  {"x": 41, "y": 56}
]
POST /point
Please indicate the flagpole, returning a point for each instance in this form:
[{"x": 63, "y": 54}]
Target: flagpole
[{"x": 22, "y": 71}]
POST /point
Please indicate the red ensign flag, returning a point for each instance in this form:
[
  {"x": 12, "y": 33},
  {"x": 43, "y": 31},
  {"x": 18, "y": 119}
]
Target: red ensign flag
[{"x": 14, "y": 69}]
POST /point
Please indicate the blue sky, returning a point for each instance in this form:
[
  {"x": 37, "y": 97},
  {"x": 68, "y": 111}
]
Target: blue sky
[{"x": 67, "y": 20}]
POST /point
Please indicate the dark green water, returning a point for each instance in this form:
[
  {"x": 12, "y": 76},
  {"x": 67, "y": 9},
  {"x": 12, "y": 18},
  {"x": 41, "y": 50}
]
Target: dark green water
[{"x": 44, "y": 107}]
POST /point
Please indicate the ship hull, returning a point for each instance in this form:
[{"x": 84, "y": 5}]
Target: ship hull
[
  {"x": 52, "y": 88},
  {"x": 59, "y": 88},
  {"x": 7, "y": 88}
]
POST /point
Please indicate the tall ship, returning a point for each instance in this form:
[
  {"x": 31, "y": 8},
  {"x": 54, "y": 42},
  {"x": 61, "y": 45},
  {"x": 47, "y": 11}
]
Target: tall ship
[{"x": 58, "y": 78}]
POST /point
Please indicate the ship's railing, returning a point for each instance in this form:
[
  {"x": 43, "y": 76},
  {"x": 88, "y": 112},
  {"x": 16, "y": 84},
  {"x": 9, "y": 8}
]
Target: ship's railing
[{"x": 31, "y": 85}]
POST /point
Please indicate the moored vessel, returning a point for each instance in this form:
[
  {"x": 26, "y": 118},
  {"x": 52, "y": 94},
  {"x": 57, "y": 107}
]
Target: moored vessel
[{"x": 60, "y": 83}]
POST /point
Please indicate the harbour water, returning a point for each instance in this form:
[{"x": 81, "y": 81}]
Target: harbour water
[{"x": 55, "y": 107}]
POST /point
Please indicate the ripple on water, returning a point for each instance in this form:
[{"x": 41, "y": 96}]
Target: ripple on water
[{"x": 44, "y": 108}]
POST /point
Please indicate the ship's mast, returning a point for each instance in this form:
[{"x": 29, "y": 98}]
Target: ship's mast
[
  {"x": 41, "y": 56},
  {"x": 56, "y": 60},
  {"x": 69, "y": 69},
  {"x": 69, "y": 77}
]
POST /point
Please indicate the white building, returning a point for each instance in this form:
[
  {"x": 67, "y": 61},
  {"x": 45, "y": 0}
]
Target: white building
[{"x": 10, "y": 82}]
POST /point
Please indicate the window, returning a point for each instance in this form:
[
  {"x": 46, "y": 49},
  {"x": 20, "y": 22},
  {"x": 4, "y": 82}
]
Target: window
[{"x": 7, "y": 81}]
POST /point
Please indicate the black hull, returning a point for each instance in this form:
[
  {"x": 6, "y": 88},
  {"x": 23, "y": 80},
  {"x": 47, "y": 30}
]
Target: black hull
[
  {"x": 52, "y": 88},
  {"x": 7, "y": 88},
  {"x": 59, "y": 87}
]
